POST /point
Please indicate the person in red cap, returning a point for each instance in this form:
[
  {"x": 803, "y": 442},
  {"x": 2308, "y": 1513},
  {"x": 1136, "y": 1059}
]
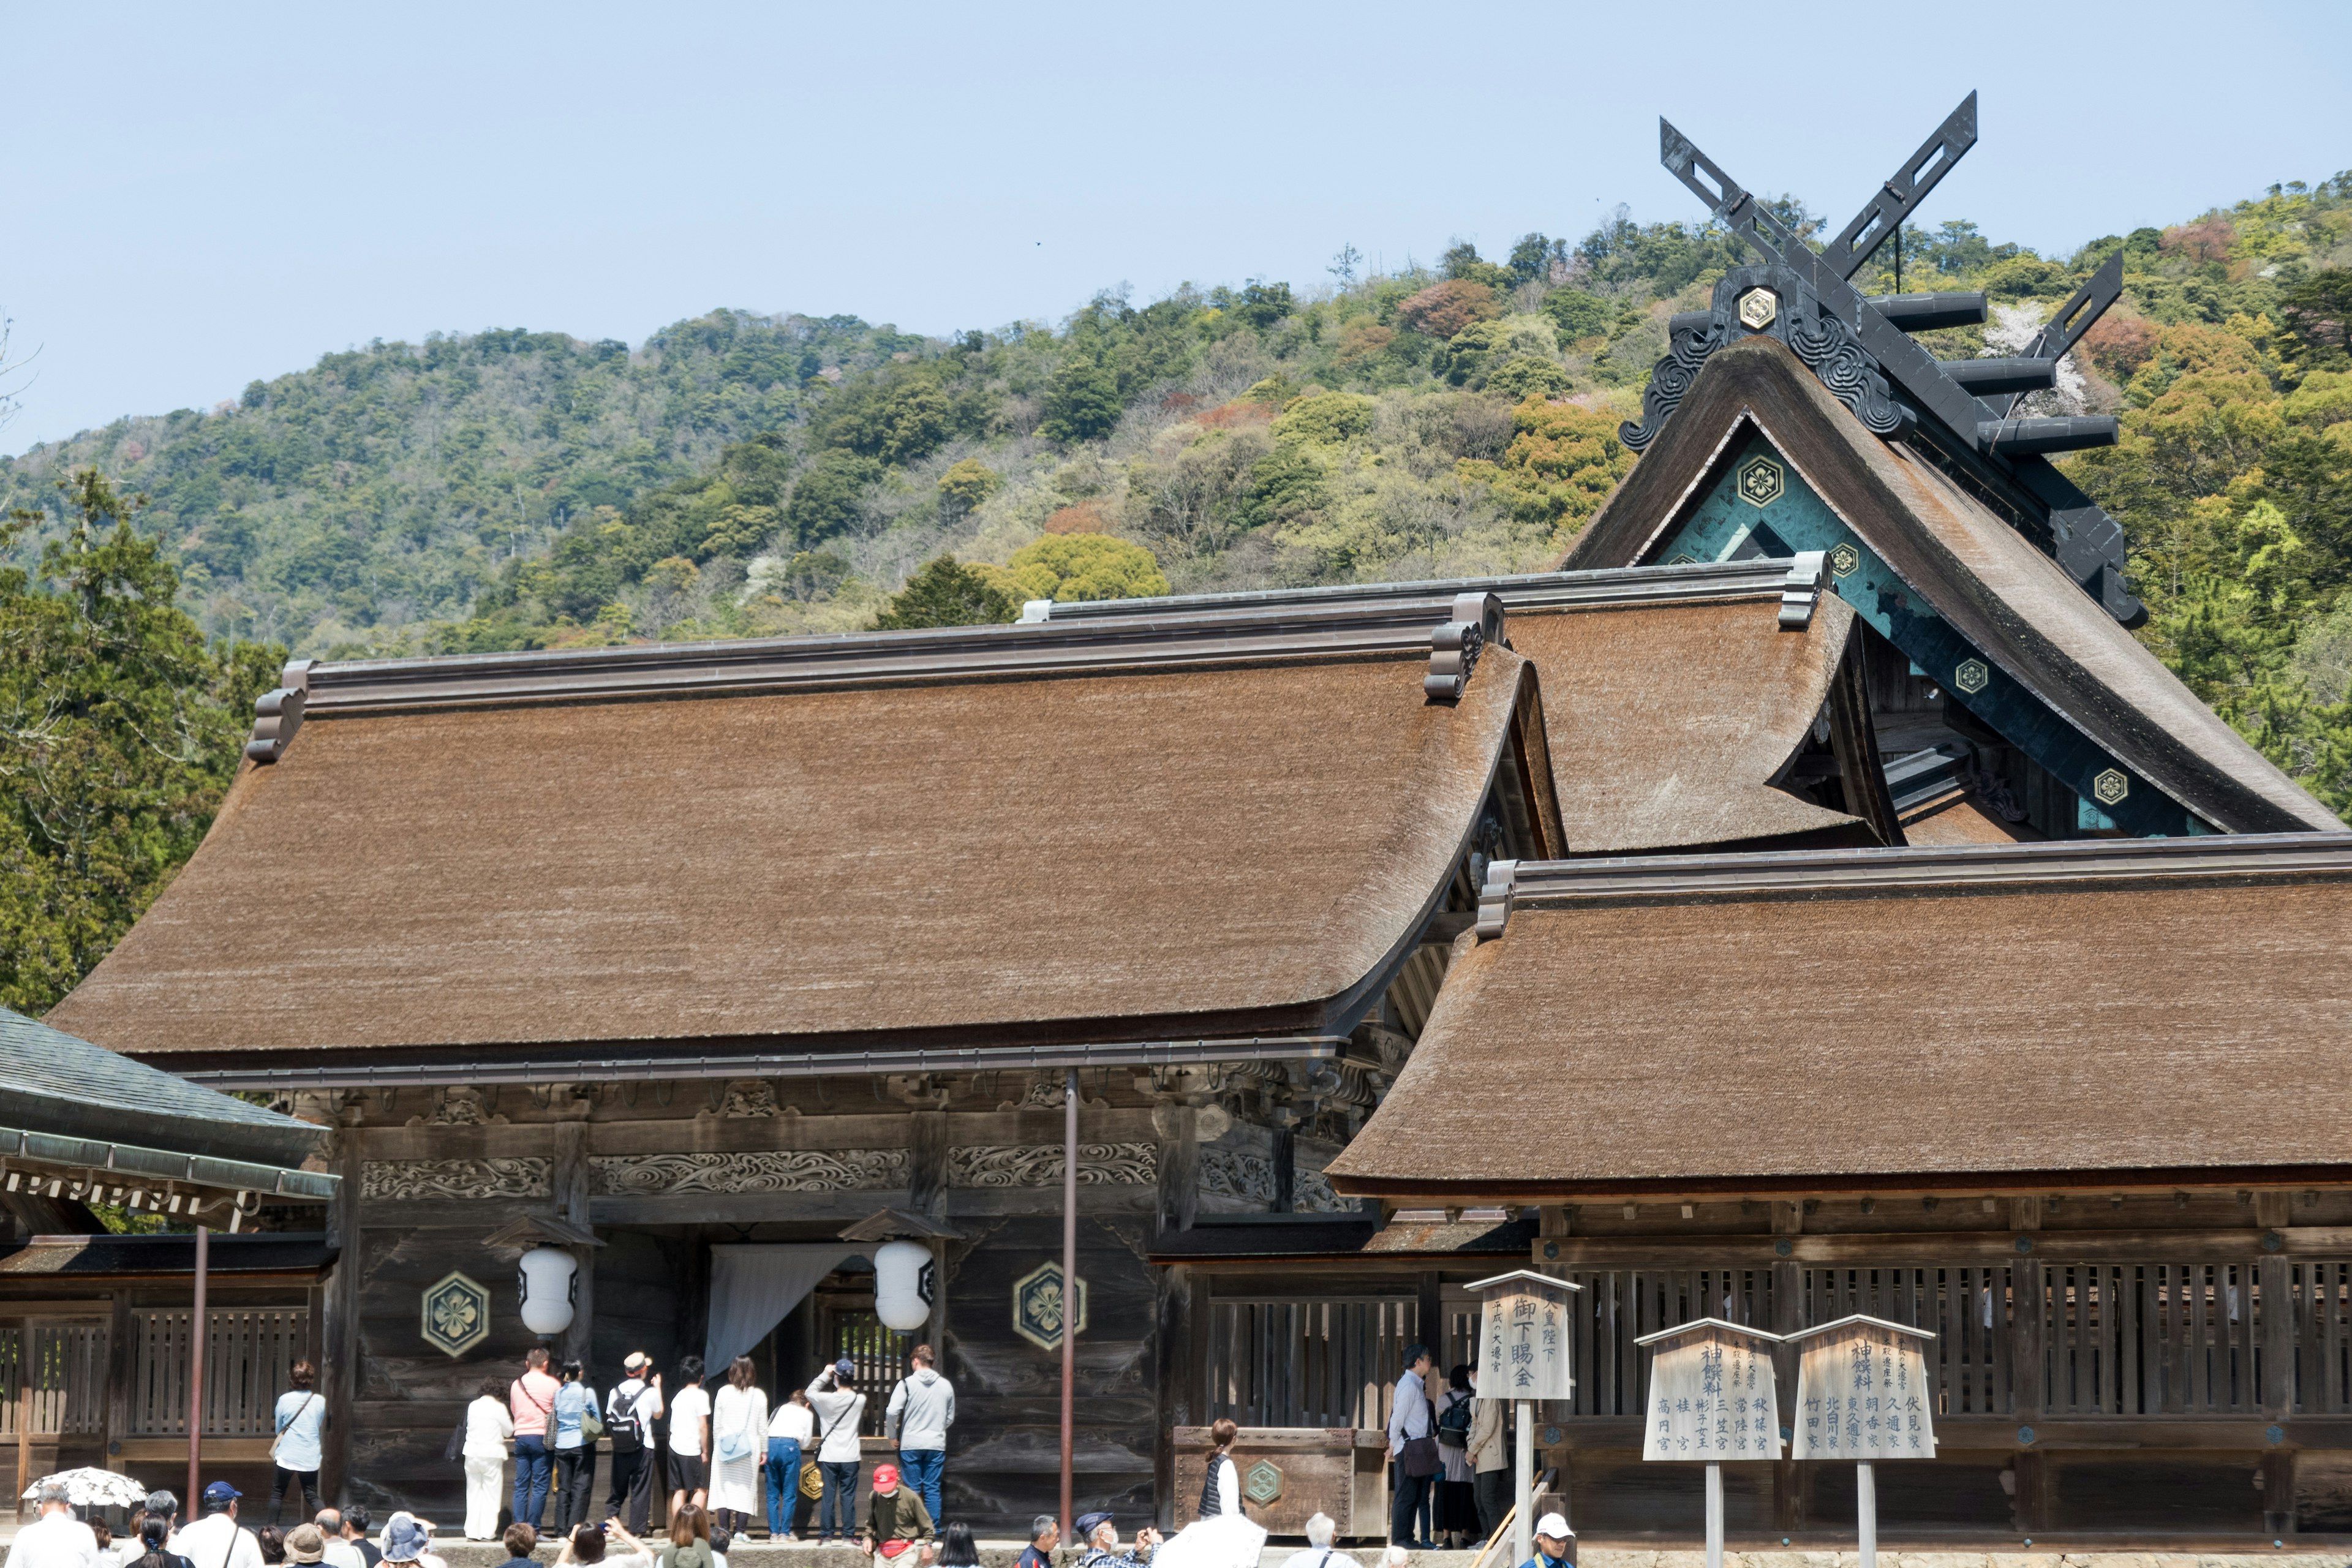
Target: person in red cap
[{"x": 897, "y": 1526}]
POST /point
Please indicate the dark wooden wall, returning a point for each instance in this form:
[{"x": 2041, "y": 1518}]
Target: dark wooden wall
[{"x": 1005, "y": 1454}]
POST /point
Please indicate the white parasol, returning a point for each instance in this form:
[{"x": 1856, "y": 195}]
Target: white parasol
[{"x": 91, "y": 1487}]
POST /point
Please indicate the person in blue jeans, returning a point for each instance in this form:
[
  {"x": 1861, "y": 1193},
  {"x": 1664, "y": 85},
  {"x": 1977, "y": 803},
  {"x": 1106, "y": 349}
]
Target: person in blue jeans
[
  {"x": 789, "y": 1431},
  {"x": 922, "y": 1408},
  {"x": 840, "y": 1411},
  {"x": 531, "y": 1400}
]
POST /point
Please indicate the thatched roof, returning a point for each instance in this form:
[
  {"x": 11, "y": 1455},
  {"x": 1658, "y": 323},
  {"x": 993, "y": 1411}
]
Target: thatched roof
[
  {"x": 2009, "y": 600},
  {"x": 1233, "y": 849},
  {"x": 1667, "y": 723},
  {"x": 2119, "y": 1010}
]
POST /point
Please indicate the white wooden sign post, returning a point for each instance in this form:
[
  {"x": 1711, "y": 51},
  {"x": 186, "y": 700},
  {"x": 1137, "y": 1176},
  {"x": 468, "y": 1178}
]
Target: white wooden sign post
[
  {"x": 1523, "y": 1356},
  {"x": 1712, "y": 1398},
  {"x": 1863, "y": 1394}
]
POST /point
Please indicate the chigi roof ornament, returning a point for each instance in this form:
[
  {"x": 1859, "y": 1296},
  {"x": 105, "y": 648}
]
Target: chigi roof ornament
[{"x": 1960, "y": 414}]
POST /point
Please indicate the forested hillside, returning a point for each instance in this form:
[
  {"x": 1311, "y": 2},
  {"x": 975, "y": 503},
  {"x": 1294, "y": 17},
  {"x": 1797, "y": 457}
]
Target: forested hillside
[
  {"x": 388, "y": 485},
  {"x": 740, "y": 475}
]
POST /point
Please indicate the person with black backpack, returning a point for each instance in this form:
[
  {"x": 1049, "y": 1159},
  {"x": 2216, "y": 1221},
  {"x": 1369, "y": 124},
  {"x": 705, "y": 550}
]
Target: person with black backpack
[
  {"x": 1456, "y": 1510},
  {"x": 630, "y": 1411}
]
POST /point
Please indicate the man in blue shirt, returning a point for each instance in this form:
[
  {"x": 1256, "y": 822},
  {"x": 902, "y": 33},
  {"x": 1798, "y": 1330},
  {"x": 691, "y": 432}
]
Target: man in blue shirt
[{"x": 1555, "y": 1544}]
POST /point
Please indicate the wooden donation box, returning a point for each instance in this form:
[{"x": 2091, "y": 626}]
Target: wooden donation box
[{"x": 1289, "y": 1474}]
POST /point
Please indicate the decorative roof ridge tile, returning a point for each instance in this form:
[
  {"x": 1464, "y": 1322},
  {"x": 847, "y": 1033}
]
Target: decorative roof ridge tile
[
  {"x": 1111, "y": 637},
  {"x": 1558, "y": 884}
]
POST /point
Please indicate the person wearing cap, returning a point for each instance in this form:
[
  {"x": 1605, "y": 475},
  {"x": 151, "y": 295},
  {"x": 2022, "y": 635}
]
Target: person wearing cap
[
  {"x": 840, "y": 1411},
  {"x": 896, "y": 1518},
  {"x": 56, "y": 1538},
  {"x": 631, "y": 1409},
  {"x": 306, "y": 1544},
  {"x": 1321, "y": 1552},
  {"x": 1100, "y": 1535},
  {"x": 1554, "y": 1542},
  {"x": 217, "y": 1541},
  {"x": 405, "y": 1539}
]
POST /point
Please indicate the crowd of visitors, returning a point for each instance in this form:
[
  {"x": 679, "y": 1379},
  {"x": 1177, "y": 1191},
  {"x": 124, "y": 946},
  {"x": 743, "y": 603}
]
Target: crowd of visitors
[{"x": 735, "y": 1459}]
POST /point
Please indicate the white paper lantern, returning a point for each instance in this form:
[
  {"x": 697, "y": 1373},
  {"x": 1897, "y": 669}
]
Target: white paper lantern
[
  {"x": 902, "y": 1285},
  {"x": 550, "y": 1284}
]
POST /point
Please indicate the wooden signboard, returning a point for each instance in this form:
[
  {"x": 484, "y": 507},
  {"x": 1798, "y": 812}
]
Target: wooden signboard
[
  {"x": 1712, "y": 1394},
  {"x": 1523, "y": 1337},
  {"x": 1863, "y": 1392}
]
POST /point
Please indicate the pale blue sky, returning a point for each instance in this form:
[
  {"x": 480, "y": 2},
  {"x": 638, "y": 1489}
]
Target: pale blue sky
[{"x": 201, "y": 195}]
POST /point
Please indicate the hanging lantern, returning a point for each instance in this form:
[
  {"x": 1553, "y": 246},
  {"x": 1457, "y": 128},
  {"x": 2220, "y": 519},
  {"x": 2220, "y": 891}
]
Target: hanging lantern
[
  {"x": 902, "y": 1285},
  {"x": 550, "y": 1284}
]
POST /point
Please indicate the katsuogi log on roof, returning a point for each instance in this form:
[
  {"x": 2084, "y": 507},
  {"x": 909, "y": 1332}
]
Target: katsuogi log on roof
[
  {"x": 2119, "y": 1010},
  {"x": 897, "y": 855}
]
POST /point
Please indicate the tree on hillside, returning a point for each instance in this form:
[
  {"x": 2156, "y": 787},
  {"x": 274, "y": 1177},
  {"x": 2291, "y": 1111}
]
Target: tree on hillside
[
  {"x": 1073, "y": 566},
  {"x": 2319, "y": 314},
  {"x": 944, "y": 594},
  {"x": 1082, "y": 400},
  {"x": 119, "y": 728}
]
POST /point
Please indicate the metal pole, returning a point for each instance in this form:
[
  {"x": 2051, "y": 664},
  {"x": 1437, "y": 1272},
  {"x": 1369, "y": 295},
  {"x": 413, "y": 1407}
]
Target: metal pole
[
  {"x": 1069, "y": 1283},
  {"x": 1865, "y": 1514},
  {"x": 1523, "y": 1528},
  {"x": 188, "y": 1509},
  {"x": 1714, "y": 1515}
]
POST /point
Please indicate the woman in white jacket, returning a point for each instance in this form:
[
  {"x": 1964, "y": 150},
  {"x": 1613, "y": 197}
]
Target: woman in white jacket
[
  {"x": 1224, "y": 1536},
  {"x": 488, "y": 1425},
  {"x": 739, "y": 1442}
]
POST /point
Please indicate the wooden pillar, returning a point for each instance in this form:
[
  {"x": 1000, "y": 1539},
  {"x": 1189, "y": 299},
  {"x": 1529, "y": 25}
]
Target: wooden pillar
[
  {"x": 121, "y": 1361},
  {"x": 2029, "y": 1311},
  {"x": 340, "y": 1341},
  {"x": 1178, "y": 1126},
  {"x": 570, "y": 1186},
  {"x": 1178, "y": 1380},
  {"x": 1430, "y": 1313},
  {"x": 1788, "y": 1477},
  {"x": 1285, "y": 1169},
  {"x": 926, "y": 1171},
  {"x": 2274, "y": 1321}
]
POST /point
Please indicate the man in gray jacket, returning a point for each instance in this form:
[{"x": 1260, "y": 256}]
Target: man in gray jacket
[{"x": 922, "y": 1408}]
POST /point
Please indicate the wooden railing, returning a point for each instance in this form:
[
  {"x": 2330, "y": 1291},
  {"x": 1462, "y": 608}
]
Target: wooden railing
[
  {"x": 2115, "y": 1339},
  {"x": 1299, "y": 1362},
  {"x": 246, "y": 1353},
  {"x": 67, "y": 1381}
]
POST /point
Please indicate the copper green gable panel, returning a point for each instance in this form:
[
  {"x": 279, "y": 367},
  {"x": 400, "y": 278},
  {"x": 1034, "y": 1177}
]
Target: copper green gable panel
[{"x": 1756, "y": 503}]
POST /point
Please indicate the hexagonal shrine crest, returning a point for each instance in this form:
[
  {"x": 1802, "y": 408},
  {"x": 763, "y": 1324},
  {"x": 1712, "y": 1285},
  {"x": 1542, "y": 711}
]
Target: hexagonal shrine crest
[
  {"x": 457, "y": 1315},
  {"x": 1040, "y": 1309},
  {"x": 1845, "y": 559},
  {"x": 1757, "y": 309},
  {"x": 2110, "y": 786},
  {"x": 1262, "y": 1482},
  {"x": 1971, "y": 676},
  {"x": 1760, "y": 481}
]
